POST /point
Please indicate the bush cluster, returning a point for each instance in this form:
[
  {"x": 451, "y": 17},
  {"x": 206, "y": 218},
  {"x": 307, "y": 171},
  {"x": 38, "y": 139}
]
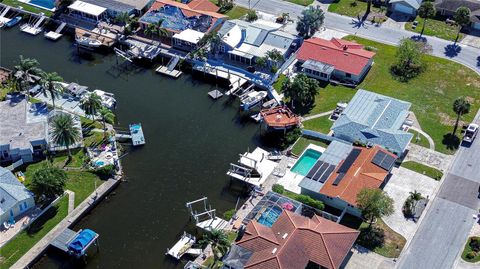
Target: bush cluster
[{"x": 278, "y": 188}]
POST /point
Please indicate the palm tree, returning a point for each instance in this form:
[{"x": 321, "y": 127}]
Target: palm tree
[
  {"x": 49, "y": 82},
  {"x": 159, "y": 30},
  {"x": 122, "y": 18},
  {"x": 107, "y": 116},
  {"x": 415, "y": 197},
  {"x": 274, "y": 55},
  {"x": 149, "y": 30},
  {"x": 426, "y": 11},
  {"x": 64, "y": 131},
  {"x": 462, "y": 18},
  {"x": 91, "y": 104},
  {"x": 26, "y": 68},
  {"x": 460, "y": 107},
  {"x": 219, "y": 242}
]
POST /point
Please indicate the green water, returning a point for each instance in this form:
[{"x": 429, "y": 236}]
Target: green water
[{"x": 190, "y": 142}]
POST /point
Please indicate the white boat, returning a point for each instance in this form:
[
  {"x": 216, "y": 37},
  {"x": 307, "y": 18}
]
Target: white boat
[
  {"x": 251, "y": 99},
  {"x": 87, "y": 42},
  {"x": 108, "y": 99}
]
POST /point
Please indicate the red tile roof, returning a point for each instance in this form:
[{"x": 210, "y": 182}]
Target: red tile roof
[
  {"x": 294, "y": 240},
  {"x": 345, "y": 56},
  {"x": 279, "y": 117},
  {"x": 204, "y": 5},
  {"x": 362, "y": 174},
  {"x": 186, "y": 9}
]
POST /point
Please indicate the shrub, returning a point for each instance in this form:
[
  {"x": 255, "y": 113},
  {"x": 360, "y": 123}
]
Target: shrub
[
  {"x": 310, "y": 201},
  {"x": 370, "y": 48},
  {"x": 471, "y": 255},
  {"x": 407, "y": 207},
  {"x": 252, "y": 15},
  {"x": 278, "y": 188},
  {"x": 229, "y": 214},
  {"x": 354, "y": 4},
  {"x": 475, "y": 244},
  {"x": 106, "y": 170}
]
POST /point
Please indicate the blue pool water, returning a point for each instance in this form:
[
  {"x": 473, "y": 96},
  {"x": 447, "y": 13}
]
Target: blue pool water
[
  {"x": 306, "y": 161},
  {"x": 269, "y": 217},
  {"x": 99, "y": 163},
  {"x": 48, "y": 4}
]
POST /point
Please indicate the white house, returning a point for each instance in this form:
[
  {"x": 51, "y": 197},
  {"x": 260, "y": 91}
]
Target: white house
[{"x": 15, "y": 199}]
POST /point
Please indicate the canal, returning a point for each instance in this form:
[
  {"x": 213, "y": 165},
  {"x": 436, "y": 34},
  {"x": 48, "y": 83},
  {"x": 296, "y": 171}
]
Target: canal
[{"x": 190, "y": 142}]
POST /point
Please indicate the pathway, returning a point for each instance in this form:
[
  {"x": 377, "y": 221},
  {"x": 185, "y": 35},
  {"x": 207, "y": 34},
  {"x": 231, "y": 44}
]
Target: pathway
[
  {"x": 71, "y": 200},
  {"x": 361, "y": 258},
  {"x": 428, "y": 157},
  {"x": 323, "y": 114},
  {"x": 430, "y": 140}
]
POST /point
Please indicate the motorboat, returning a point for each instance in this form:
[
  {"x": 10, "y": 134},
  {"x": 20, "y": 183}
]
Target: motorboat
[
  {"x": 13, "y": 22},
  {"x": 108, "y": 99},
  {"x": 87, "y": 42},
  {"x": 251, "y": 99}
]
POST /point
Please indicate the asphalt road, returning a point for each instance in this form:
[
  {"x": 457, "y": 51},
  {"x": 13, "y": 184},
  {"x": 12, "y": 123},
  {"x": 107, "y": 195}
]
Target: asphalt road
[{"x": 463, "y": 54}]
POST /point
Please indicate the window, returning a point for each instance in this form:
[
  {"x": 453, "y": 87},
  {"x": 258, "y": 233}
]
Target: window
[
  {"x": 25, "y": 205},
  {"x": 348, "y": 75},
  {"x": 21, "y": 207}
]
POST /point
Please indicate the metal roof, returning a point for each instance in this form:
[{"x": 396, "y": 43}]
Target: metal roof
[
  {"x": 87, "y": 8},
  {"x": 318, "y": 66}
]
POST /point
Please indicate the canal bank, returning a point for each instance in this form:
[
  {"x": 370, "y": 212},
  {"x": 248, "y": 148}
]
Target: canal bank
[{"x": 191, "y": 140}]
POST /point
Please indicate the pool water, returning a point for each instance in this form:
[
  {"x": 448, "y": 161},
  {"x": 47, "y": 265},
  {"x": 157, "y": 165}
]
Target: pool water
[
  {"x": 269, "y": 217},
  {"x": 306, "y": 161},
  {"x": 48, "y": 4}
]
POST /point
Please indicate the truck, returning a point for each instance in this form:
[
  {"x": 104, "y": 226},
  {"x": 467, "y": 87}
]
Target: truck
[{"x": 470, "y": 133}]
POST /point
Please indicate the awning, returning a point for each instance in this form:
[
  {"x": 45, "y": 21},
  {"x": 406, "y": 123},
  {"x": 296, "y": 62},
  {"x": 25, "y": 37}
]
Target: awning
[
  {"x": 87, "y": 8},
  {"x": 318, "y": 66},
  {"x": 241, "y": 54}
]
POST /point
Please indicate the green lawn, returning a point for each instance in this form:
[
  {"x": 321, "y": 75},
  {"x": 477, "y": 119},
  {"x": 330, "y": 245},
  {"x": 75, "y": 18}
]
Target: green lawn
[
  {"x": 235, "y": 13},
  {"x": 15, "y": 3},
  {"x": 321, "y": 124},
  {"x": 419, "y": 139},
  {"x": 88, "y": 123},
  {"x": 381, "y": 239},
  {"x": 440, "y": 84},
  {"x": 348, "y": 8},
  {"x": 16, "y": 248},
  {"x": 279, "y": 82},
  {"x": 301, "y": 2},
  {"x": 423, "y": 169},
  {"x": 435, "y": 27},
  {"x": 303, "y": 142},
  {"x": 467, "y": 250}
]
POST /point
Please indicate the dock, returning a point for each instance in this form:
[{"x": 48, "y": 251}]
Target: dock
[
  {"x": 206, "y": 220},
  {"x": 169, "y": 69},
  {"x": 55, "y": 35},
  {"x": 215, "y": 94},
  {"x": 105, "y": 37},
  {"x": 136, "y": 133},
  {"x": 34, "y": 27},
  {"x": 184, "y": 246}
]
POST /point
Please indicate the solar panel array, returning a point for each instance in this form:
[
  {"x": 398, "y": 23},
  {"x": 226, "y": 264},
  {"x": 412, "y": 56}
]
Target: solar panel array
[
  {"x": 321, "y": 171},
  {"x": 352, "y": 156},
  {"x": 338, "y": 179},
  {"x": 383, "y": 160}
]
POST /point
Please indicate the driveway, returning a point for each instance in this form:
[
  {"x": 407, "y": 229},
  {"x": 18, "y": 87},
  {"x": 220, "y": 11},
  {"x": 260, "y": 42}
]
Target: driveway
[
  {"x": 402, "y": 182},
  {"x": 361, "y": 258}
]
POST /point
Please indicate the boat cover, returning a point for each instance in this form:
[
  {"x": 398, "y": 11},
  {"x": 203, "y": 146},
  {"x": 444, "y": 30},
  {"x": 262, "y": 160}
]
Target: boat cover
[{"x": 82, "y": 240}]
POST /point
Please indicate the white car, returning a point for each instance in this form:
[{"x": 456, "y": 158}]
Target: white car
[{"x": 470, "y": 133}]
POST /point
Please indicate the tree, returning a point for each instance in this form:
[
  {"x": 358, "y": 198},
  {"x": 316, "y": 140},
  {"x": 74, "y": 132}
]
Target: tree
[
  {"x": 49, "y": 82},
  {"x": 415, "y": 196},
  {"x": 219, "y": 242},
  {"x": 460, "y": 107},
  {"x": 374, "y": 203},
  {"x": 462, "y": 18},
  {"x": 251, "y": 15},
  {"x": 64, "y": 131},
  {"x": 107, "y": 116},
  {"x": 149, "y": 30},
  {"x": 275, "y": 56},
  {"x": 409, "y": 62},
  {"x": 48, "y": 182},
  {"x": 369, "y": 7},
  {"x": 26, "y": 68},
  {"x": 426, "y": 11},
  {"x": 261, "y": 62},
  {"x": 122, "y": 18},
  {"x": 310, "y": 21},
  {"x": 91, "y": 104},
  {"x": 160, "y": 30},
  {"x": 301, "y": 91}
]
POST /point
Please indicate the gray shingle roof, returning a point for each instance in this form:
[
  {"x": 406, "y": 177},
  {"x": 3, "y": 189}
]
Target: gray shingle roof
[
  {"x": 375, "y": 118},
  {"x": 11, "y": 190}
]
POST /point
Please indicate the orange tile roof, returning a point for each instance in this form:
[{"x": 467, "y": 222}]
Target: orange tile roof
[
  {"x": 203, "y": 5},
  {"x": 186, "y": 9},
  {"x": 362, "y": 174},
  {"x": 279, "y": 117},
  {"x": 294, "y": 240}
]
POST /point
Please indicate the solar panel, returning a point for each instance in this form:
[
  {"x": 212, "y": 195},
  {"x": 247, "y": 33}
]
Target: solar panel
[
  {"x": 314, "y": 169},
  {"x": 349, "y": 160},
  {"x": 378, "y": 158},
  {"x": 327, "y": 173},
  {"x": 383, "y": 160},
  {"x": 320, "y": 171},
  {"x": 338, "y": 179}
]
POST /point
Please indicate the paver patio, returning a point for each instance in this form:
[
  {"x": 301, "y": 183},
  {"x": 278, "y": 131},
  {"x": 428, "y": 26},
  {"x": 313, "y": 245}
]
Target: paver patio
[{"x": 428, "y": 157}]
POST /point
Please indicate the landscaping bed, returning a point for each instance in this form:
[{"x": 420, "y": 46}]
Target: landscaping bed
[
  {"x": 471, "y": 252},
  {"x": 301, "y": 2},
  {"x": 423, "y": 169},
  {"x": 381, "y": 239},
  {"x": 435, "y": 27},
  {"x": 356, "y": 9}
]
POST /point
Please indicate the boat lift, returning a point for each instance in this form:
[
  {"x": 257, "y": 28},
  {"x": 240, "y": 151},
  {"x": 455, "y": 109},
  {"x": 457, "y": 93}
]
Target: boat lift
[
  {"x": 211, "y": 222},
  {"x": 55, "y": 35},
  {"x": 184, "y": 246},
  {"x": 34, "y": 25}
]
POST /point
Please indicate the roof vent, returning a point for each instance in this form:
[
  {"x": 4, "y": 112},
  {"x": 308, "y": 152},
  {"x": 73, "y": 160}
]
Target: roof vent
[
  {"x": 274, "y": 250},
  {"x": 345, "y": 47},
  {"x": 285, "y": 235}
]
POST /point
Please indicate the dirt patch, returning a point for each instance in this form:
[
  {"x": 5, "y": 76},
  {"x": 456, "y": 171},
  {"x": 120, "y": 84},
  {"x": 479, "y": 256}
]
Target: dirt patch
[
  {"x": 449, "y": 121},
  {"x": 469, "y": 99}
]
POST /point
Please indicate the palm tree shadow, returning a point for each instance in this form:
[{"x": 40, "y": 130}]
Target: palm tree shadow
[
  {"x": 452, "y": 50},
  {"x": 478, "y": 61},
  {"x": 451, "y": 141},
  {"x": 359, "y": 22}
]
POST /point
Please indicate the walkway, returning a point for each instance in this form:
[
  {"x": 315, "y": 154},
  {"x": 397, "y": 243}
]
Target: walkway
[
  {"x": 428, "y": 157},
  {"x": 87, "y": 204},
  {"x": 361, "y": 258},
  {"x": 71, "y": 200},
  {"x": 323, "y": 114},
  {"x": 430, "y": 140}
]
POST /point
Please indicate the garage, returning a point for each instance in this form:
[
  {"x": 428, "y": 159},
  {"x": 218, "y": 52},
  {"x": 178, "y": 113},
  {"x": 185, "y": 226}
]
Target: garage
[{"x": 404, "y": 8}]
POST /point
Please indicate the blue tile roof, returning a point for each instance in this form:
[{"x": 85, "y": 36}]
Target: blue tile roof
[
  {"x": 11, "y": 190},
  {"x": 374, "y": 118}
]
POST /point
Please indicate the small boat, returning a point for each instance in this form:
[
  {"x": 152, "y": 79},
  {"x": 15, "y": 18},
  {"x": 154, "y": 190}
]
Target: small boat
[
  {"x": 13, "y": 22},
  {"x": 108, "y": 99},
  {"x": 88, "y": 42},
  {"x": 251, "y": 99}
]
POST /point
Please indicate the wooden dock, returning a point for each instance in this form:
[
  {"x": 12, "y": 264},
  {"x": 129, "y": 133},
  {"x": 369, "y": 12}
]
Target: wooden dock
[
  {"x": 107, "y": 39},
  {"x": 165, "y": 71}
]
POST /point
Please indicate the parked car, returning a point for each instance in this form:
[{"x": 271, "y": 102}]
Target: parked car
[{"x": 470, "y": 133}]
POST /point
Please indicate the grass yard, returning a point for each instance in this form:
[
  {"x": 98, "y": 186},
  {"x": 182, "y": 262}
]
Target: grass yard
[
  {"x": 15, "y": 3},
  {"x": 303, "y": 142},
  {"x": 16, "y": 248},
  {"x": 381, "y": 239},
  {"x": 279, "y": 82},
  {"x": 351, "y": 8},
  {"x": 301, "y": 2},
  {"x": 435, "y": 27},
  {"x": 434, "y": 110},
  {"x": 421, "y": 141},
  {"x": 321, "y": 124},
  {"x": 423, "y": 169},
  {"x": 235, "y": 13},
  {"x": 468, "y": 249}
]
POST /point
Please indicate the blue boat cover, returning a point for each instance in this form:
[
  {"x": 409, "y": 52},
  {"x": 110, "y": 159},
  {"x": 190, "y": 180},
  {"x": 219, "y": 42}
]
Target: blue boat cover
[{"x": 81, "y": 241}]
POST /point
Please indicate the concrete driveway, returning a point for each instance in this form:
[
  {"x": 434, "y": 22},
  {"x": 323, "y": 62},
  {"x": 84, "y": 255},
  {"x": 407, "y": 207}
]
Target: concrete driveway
[
  {"x": 402, "y": 182},
  {"x": 361, "y": 258}
]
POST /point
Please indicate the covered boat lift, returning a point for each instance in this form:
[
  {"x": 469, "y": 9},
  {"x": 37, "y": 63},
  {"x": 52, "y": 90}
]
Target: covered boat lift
[{"x": 76, "y": 243}]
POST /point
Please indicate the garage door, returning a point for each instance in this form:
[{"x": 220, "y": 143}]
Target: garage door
[
  {"x": 476, "y": 25},
  {"x": 404, "y": 8}
]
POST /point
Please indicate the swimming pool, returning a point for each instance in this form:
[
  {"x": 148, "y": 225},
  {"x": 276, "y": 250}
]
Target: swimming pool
[
  {"x": 46, "y": 4},
  {"x": 306, "y": 161},
  {"x": 270, "y": 215}
]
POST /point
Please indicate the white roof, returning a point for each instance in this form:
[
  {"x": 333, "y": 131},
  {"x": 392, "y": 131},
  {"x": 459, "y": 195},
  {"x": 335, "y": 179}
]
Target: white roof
[
  {"x": 189, "y": 35},
  {"x": 87, "y": 8}
]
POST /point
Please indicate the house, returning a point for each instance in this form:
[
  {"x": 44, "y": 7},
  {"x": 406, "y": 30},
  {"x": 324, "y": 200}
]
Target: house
[
  {"x": 448, "y": 8},
  {"x": 15, "y": 199},
  {"x": 88, "y": 12},
  {"x": 23, "y": 130},
  {"x": 375, "y": 119},
  {"x": 407, "y": 7},
  {"x": 116, "y": 7},
  {"x": 244, "y": 42},
  {"x": 293, "y": 242},
  {"x": 334, "y": 59},
  {"x": 343, "y": 170},
  {"x": 177, "y": 17}
]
